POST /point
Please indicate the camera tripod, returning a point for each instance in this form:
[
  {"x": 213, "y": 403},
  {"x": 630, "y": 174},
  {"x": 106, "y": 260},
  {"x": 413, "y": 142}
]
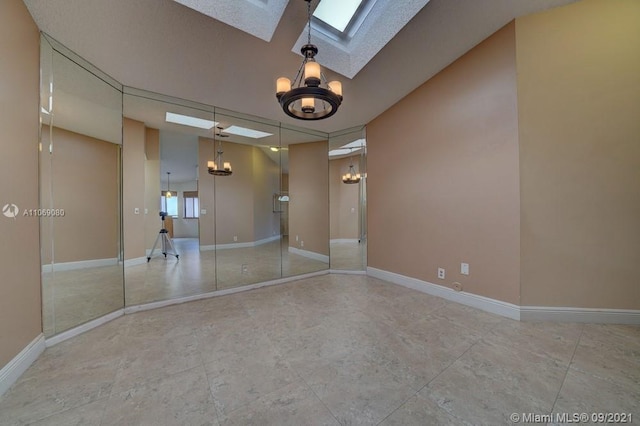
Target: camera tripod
[{"x": 166, "y": 243}]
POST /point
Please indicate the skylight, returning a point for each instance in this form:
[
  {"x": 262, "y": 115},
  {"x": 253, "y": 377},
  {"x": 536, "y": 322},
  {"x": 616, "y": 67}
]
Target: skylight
[
  {"x": 337, "y": 13},
  {"x": 247, "y": 133},
  {"x": 187, "y": 120}
]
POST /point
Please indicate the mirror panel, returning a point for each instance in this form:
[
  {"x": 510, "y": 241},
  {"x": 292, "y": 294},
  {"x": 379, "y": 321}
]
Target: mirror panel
[
  {"x": 163, "y": 256},
  {"x": 80, "y": 179},
  {"x": 247, "y": 229},
  {"x": 305, "y": 165},
  {"x": 347, "y": 157}
]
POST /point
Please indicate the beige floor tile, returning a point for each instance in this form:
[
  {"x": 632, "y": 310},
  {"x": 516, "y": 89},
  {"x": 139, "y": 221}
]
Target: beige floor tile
[
  {"x": 87, "y": 415},
  {"x": 419, "y": 411},
  {"x": 179, "y": 399},
  {"x": 490, "y": 381},
  {"x": 293, "y": 405}
]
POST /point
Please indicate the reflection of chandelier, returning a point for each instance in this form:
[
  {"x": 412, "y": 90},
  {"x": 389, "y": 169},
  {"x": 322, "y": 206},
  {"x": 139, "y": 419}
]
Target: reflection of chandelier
[
  {"x": 219, "y": 167},
  {"x": 168, "y": 193},
  {"x": 310, "y": 101},
  {"x": 351, "y": 176}
]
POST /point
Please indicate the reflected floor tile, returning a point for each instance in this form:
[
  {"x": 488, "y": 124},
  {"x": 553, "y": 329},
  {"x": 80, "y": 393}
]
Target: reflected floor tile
[
  {"x": 292, "y": 405},
  {"x": 178, "y": 399},
  {"x": 491, "y": 381}
]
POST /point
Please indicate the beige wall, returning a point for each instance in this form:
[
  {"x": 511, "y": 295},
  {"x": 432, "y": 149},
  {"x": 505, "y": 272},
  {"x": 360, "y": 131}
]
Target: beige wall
[
  {"x": 133, "y": 177},
  {"x": 20, "y": 303},
  {"x": 84, "y": 182},
  {"x": 443, "y": 176},
  {"x": 579, "y": 115},
  {"x": 345, "y": 200},
  {"x": 309, "y": 196}
]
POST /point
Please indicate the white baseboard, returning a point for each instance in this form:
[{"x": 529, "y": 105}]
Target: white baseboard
[
  {"x": 309, "y": 254},
  {"x": 19, "y": 364},
  {"x": 585, "y": 315},
  {"x": 240, "y": 245},
  {"x": 135, "y": 261},
  {"x": 83, "y": 264},
  {"x": 177, "y": 301},
  {"x": 522, "y": 313},
  {"x": 65, "y": 335},
  {"x": 344, "y": 240},
  {"x": 484, "y": 303},
  {"x": 347, "y": 272}
]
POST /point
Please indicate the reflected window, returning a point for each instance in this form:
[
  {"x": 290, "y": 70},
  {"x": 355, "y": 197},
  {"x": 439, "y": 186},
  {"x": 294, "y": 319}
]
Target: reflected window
[
  {"x": 191, "y": 205},
  {"x": 169, "y": 204}
]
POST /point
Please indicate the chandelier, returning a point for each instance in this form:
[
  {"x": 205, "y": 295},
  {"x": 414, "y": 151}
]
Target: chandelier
[
  {"x": 219, "y": 167},
  {"x": 351, "y": 176},
  {"x": 309, "y": 96}
]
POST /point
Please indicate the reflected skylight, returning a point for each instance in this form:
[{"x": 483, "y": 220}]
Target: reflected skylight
[
  {"x": 187, "y": 120},
  {"x": 247, "y": 133},
  {"x": 337, "y": 13}
]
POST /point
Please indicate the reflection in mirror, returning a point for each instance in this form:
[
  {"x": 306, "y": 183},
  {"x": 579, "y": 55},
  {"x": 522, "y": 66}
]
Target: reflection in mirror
[
  {"x": 161, "y": 175},
  {"x": 347, "y": 182},
  {"x": 81, "y": 125},
  {"x": 305, "y": 248},
  {"x": 246, "y": 227}
]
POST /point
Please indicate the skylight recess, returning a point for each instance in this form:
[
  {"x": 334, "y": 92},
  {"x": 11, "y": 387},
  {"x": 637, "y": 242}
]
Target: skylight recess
[
  {"x": 187, "y": 120},
  {"x": 337, "y": 13}
]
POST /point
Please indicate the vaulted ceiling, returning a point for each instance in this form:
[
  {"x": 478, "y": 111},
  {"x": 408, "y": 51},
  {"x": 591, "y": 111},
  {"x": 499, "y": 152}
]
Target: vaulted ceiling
[{"x": 166, "y": 47}]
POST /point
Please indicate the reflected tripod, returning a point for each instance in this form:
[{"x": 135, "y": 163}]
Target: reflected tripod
[{"x": 166, "y": 242}]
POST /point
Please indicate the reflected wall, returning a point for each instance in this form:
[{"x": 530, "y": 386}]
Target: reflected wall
[{"x": 80, "y": 181}]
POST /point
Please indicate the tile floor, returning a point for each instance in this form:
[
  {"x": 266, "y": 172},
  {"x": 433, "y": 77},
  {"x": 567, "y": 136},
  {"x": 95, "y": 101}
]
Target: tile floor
[{"x": 329, "y": 350}]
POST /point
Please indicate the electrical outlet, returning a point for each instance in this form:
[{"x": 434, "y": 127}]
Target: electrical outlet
[
  {"x": 296, "y": 238},
  {"x": 464, "y": 268},
  {"x": 235, "y": 238},
  {"x": 245, "y": 268},
  {"x": 301, "y": 243},
  {"x": 441, "y": 273},
  {"x": 146, "y": 211},
  {"x": 136, "y": 210}
]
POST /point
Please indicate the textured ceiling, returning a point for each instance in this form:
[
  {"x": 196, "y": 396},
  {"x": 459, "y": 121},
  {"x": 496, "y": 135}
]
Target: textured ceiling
[{"x": 165, "y": 47}]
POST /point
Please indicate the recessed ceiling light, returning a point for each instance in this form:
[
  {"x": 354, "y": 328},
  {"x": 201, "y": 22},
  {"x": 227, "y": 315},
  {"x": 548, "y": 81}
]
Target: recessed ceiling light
[
  {"x": 247, "y": 133},
  {"x": 187, "y": 120}
]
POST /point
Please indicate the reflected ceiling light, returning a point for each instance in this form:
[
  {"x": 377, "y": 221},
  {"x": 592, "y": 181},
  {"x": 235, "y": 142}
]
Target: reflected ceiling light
[
  {"x": 168, "y": 193},
  {"x": 247, "y": 133},
  {"x": 274, "y": 148},
  {"x": 187, "y": 120},
  {"x": 351, "y": 176},
  {"x": 219, "y": 167},
  {"x": 305, "y": 98}
]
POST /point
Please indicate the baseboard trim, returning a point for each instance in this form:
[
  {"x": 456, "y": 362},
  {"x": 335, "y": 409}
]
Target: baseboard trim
[
  {"x": 347, "y": 272},
  {"x": 240, "y": 245},
  {"x": 344, "y": 240},
  {"x": 309, "y": 254},
  {"x": 484, "y": 303},
  {"x": 66, "y": 335},
  {"x": 83, "y": 264},
  {"x": 135, "y": 261},
  {"x": 11, "y": 372},
  {"x": 218, "y": 293},
  {"x": 584, "y": 315}
]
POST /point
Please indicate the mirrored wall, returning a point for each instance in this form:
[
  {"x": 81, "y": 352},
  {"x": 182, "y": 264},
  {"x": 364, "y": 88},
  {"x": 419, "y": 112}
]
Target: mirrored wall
[
  {"x": 191, "y": 226},
  {"x": 348, "y": 200},
  {"x": 80, "y": 181},
  {"x": 151, "y": 198}
]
